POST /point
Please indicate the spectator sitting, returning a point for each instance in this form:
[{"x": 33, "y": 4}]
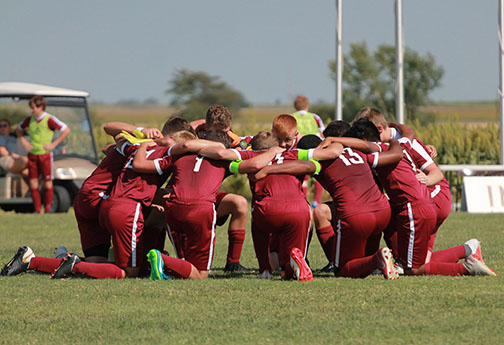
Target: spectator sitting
[{"x": 10, "y": 160}]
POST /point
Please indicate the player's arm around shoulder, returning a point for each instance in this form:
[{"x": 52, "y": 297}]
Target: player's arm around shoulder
[
  {"x": 299, "y": 167},
  {"x": 260, "y": 161},
  {"x": 392, "y": 156},
  {"x": 140, "y": 163}
]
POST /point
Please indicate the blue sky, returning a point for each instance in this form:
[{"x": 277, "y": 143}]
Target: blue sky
[{"x": 267, "y": 49}]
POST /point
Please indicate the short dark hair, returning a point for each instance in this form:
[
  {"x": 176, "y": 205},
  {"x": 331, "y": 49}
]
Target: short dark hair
[
  {"x": 263, "y": 140},
  {"x": 218, "y": 117},
  {"x": 309, "y": 141},
  {"x": 219, "y": 136},
  {"x": 176, "y": 124},
  {"x": 336, "y": 129},
  {"x": 37, "y": 101},
  {"x": 364, "y": 129}
]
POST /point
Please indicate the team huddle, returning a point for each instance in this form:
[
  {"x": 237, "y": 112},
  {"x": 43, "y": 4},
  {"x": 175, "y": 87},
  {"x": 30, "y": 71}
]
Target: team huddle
[{"x": 381, "y": 178}]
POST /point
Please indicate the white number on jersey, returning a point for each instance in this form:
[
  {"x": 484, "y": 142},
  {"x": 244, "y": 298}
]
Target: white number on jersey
[
  {"x": 197, "y": 165},
  {"x": 353, "y": 158}
]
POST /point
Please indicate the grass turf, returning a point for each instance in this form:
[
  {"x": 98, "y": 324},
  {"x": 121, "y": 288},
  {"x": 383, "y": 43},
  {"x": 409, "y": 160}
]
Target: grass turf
[{"x": 412, "y": 310}]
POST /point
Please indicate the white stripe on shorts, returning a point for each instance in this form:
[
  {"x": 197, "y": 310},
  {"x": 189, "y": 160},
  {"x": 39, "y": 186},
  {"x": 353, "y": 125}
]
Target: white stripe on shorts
[
  {"x": 307, "y": 236},
  {"x": 411, "y": 243},
  {"x": 338, "y": 244},
  {"x": 133, "y": 235},
  {"x": 435, "y": 192},
  {"x": 210, "y": 256}
]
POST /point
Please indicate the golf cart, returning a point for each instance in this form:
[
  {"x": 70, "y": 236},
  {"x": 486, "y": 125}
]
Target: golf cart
[{"x": 74, "y": 159}]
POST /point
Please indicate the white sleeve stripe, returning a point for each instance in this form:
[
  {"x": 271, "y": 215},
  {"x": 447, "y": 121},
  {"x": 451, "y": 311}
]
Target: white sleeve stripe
[
  {"x": 379, "y": 147},
  {"x": 238, "y": 155},
  {"x": 425, "y": 165},
  {"x": 419, "y": 148},
  {"x": 60, "y": 123},
  {"x": 376, "y": 158},
  {"x": 158, "y": 168},
  {"x": 404, "y": 140},
  {"x": 310, "y": 153},
  {"x": 169, "y": 151}
]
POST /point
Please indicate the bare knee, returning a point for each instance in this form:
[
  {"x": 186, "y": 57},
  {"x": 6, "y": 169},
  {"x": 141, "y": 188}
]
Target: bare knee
[{"x": 322, "y": 216}]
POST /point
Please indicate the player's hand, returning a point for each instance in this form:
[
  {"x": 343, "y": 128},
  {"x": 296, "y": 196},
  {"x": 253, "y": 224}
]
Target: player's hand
[
  {"x": 152, "y": 133},
  {"x": 277, "y": 149},
  {"x": 432, "y": 151},
  {"x": 260, "y": 174},
  {"x": 158, "y": 207},
  {"x": 163, "y": 141},
  {"x": 28, "y": 146},
  {"x": 148, "y": 144},
  {"x": 48, "y": 147},
  {"x": 326, "y": 142},
  {"x": 167, "y": 192},
  {"x": 421, "y": 177}
]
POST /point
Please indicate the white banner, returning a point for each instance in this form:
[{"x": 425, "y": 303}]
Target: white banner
[{"x": 483, "y": 194}]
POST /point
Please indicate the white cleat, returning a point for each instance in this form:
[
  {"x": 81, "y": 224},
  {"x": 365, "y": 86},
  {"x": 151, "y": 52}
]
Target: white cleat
[
  {"x": 386, "y": 265},
  {"x": 265, "y": 275},
  {"x": 477, "y": 267}
]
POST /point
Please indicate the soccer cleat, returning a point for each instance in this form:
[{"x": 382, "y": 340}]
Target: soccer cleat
[
  {"x": 475, "y": 246},
  {"x": 60, "y": 252},
  {"x": 329, "y": 268},
  {"x": 19, "y": 263},
  {"x": 265, "y": 275},
  {"x": 156, "y": 265},
  {"x": 235, "y": 267},
  {"x": 477, "y": 267},
  {"x": 386, "y": 265},
  {"x": 66, "y": 266},
  {"x": 399, "y": 269},
  {"x": 301, "y": 269}
]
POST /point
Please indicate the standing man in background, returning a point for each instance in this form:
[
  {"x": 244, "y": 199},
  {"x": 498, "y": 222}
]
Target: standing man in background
[
  {"x": 308, "y": 123},
  {"x": 40, "y": 127}
]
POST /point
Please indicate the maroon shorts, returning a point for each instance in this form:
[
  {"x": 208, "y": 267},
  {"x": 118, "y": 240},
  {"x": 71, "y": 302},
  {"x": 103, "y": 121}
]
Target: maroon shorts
[
  {"x": 353, "y": 233},
  {"x": 287, "y": 221},
  {"x": 40, "y": 165},
  {"x": 196, "y": 221},
  {"x": 414, "y": 224},
  {"x": 86, "y": 209},
  {"x": 124, "y": 220},
  {"x": 442, "y": 203}
]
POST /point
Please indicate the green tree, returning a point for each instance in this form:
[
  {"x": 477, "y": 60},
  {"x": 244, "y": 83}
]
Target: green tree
[
  {"x": 194, "y": 92},
  {"x": 369, "y": 79}
]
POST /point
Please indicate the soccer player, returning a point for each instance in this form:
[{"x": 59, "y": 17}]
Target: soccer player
[
  {"x": 190, "y": 209},
  {"x": 309, "y": 123},
  {"x": 361, "y": 209},
  {"x": 41, "y": 126},
  {"x": 218, "y": 117},
  {"x": 414, "y": 217}
]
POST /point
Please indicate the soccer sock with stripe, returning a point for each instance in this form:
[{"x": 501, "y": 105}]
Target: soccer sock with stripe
[
  {"x": 236, "y": 239},
  {"x": 98, "y": 270},
  {"x": 326, "y": 238},
  {"x": 451, "y": 255},
  {"x": 42, "y": 264},
  {"x": 37, "y": 202},
  {"x": 48, "y": 198},
  {"x": 445, "y": 269},
  {"x": 180, "y": 267}
]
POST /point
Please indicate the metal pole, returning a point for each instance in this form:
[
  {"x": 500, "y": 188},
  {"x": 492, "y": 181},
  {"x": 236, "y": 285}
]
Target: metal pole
[
  {"x": 501, "y": 86},
  {"x": 399, "y": 89},
  {"x": 339, "y": 61}
]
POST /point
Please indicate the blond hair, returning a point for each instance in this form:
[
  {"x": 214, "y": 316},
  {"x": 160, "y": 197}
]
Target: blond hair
[{"x": 373, "y": 115}]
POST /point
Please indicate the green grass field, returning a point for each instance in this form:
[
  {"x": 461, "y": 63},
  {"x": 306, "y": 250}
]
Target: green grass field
[{"x": 411, "y": 310}]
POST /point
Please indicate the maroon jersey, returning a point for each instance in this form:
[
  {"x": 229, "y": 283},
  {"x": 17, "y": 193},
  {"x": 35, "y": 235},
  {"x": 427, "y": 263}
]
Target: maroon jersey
[
  {"x": 141, "y": 187},
  {"x": 196, "y": 178},
  {"x": 349, "y": 180},
  {"x": 399, "y": 180},
  {"x": 423, "y": 160},
  {"x": 53, "y": 122},
  {"x": 101, "y": 179},
  {"x": 280, "y": 186}
]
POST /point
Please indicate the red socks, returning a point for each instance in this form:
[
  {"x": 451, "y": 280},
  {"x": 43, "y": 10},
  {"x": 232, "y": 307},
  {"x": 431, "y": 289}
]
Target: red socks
[
  {"x": 236, "y": 239},
  {"x": 37, "y": 202},
  {"x": 177, "y": 266},
  {"x": 98, "y": 270},
  {"x": 48, "y": 199},
  {"x": 326, "y": 239},
  {"x": 452, "y": 255},
  {"x": 46, "y": 265},
  {"x": 445, "y": 269}
]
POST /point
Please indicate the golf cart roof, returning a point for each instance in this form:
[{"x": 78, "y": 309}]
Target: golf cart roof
[{"x": 28, "y": 90}]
